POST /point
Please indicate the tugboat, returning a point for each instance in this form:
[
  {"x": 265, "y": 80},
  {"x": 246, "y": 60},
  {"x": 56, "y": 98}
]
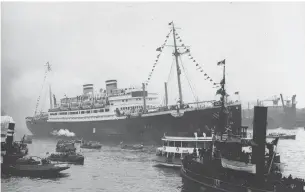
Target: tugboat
[
  {"x": 138, "y": 147},
  {"x": 280, "y": 135},
  {"x": 90, "y": 145},
  {"x": 63, "y": 146},
  {"x": 228, "y": 168},
  {"x": 69, "y": 157},
  {"x": 17, "y": 148},
  {"x": 32, "y": 167},
  {"x": 174, "y": 149},
  {"x": 14, "y": 162}
]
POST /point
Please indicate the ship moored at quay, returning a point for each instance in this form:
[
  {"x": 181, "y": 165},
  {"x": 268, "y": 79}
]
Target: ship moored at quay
[{"x": 131, "y": 115}]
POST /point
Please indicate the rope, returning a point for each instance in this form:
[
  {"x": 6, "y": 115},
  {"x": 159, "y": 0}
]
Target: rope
[
  {"x": 48, "y": 68},
  {"x": 188, "y": 80},
  {"x": 192, "y": 58},
  {"x": 44, "y": 79},
  {"x": 44, "y": 100}
]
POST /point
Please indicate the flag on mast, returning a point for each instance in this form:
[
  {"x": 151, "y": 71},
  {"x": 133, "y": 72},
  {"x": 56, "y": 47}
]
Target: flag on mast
[{"x": 223, "y": 62}]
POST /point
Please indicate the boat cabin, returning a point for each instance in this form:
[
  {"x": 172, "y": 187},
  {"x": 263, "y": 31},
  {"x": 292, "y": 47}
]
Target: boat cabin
[{"x": 178, "y": 147}]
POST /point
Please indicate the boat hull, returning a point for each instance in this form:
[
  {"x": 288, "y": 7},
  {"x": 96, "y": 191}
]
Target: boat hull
[
  {"x": 32, "y": 171},
  {"x": 282, "y": 137},
  {"x": 145, "y": 129},
  {"x": 213, "y": 184},
  {"x": 238, "y": 166},
  {"x": 162, "y": 161},
  {"x": 78, "y": 160},
  {"x": 91, "y": 147}
]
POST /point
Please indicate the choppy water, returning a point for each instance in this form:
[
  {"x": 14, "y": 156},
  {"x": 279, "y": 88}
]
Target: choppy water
[{"x": 114, "y": 170}]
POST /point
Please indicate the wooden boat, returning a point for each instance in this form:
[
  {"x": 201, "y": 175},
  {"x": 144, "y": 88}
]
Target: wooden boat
[
  {"x": 238, "y": 165},
  {"x": 168, "y": 165},
  {"x": 90, "y": 145},
  {"x": 132, "y": 147}
]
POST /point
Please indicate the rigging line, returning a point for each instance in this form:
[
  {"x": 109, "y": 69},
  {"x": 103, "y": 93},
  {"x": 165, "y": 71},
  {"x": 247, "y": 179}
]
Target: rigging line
[
  {"x": 44, "y": 94},
  {"x": 169, "y": 75},
  {"x": 187, "y": 79},
  {"x": 44, "y": 79},
  {"x": 200, "y": 65}
]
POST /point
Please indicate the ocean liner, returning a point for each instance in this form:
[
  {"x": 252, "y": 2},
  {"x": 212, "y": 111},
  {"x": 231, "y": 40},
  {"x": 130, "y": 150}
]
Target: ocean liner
[{"x": 131, "y": 115}]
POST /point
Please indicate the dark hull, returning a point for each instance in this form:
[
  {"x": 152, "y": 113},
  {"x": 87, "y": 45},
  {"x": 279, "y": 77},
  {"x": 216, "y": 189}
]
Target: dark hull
[
  {"x": 10, "y": 170},
  {"x": 147, "y": 130},
  {"x": 68, "y": 160},
  {"x": 212, "y": 184},
  {"x": 88, "y": 147},
  {"x": 282, "y": 137},
  {"x": 211, "y": 176}
]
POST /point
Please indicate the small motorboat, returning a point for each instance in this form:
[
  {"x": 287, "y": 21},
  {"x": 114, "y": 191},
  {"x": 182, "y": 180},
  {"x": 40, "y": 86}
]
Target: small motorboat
[
  {"x": 132, "y": 147},
  {"x": 90, "y": 145},
  {"x": 31, "y": 167},
  {"x": 78, "y": 141},
  {"x": 69, "y": 157},
  {"x": 280, "y": 135},
  {"x": 65, "y": 146}
]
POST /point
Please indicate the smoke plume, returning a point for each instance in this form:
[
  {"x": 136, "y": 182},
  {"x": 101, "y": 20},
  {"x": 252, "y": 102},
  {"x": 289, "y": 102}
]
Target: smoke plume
[{"x": 63, "y": 132}]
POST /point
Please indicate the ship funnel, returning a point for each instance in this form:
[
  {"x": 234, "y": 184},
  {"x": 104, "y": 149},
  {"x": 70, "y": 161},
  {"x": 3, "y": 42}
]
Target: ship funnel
[
  {"x": 87, "y": 88},
  {"x": 259, "y": 137},
  {"x": 111, "y": 85},
  {"x": 10, "y": 136}
]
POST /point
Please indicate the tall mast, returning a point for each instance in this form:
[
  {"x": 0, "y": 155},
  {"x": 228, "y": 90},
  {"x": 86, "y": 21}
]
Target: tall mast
[
  {"x": 144, "y": 98},
  {"x": 50, "y": 90},
  {"x": 222, "y": 114},
  {"x": 48, "y": 69},
  {"x": 176, "y": 54}
]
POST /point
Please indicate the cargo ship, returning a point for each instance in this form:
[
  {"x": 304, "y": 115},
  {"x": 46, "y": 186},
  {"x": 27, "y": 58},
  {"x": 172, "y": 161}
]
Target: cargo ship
[
  {"x": 131, "y": 115},
  {"x": 282, "y": 113}
]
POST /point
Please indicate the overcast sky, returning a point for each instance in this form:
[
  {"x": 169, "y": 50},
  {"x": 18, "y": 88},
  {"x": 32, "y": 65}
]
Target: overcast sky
[{"x": 263, "y": 44}]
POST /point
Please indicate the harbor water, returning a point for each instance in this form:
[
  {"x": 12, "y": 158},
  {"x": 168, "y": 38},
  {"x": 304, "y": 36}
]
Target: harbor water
[{"x": 112, "y": 169}]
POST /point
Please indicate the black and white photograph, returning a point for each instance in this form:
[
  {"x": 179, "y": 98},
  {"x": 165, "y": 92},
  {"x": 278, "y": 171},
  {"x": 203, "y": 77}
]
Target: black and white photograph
[{"x": 152, "y": 96}]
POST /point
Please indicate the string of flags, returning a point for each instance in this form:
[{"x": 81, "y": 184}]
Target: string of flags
[
  {"x": 159, "y": 49},
  {"x": 199, "y": 67}
]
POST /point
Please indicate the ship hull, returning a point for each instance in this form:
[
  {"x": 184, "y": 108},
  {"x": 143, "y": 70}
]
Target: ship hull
[
  {"x": 281, "y": 137},
  {"x": 147, "y": 130},
  {"x": 212, "y": 184}
]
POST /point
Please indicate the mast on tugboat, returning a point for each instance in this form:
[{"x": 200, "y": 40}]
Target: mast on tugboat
[{"x": 223, "y": 93}]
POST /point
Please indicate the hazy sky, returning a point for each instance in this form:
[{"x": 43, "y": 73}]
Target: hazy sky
[{"x": 263, "y": 44}]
